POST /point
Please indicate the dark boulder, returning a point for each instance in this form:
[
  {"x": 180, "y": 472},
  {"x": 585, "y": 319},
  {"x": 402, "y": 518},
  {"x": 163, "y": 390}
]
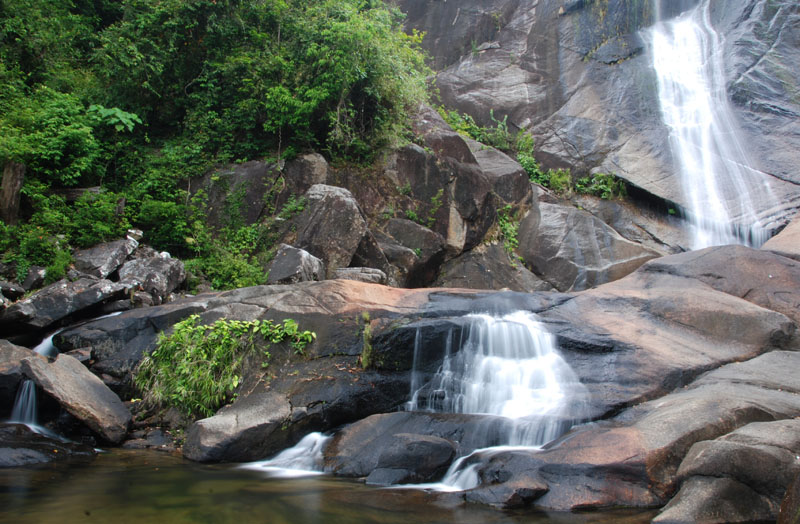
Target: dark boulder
[
  {"x": 11, "y": 374},
  {"x": 367, "y": 445},
  {"x": 21, "y": 446},
  {"x": 489, "y": 266},
  {"x": 301, "y": 173},
  {"x": 82, "y": 394},
  {"x": 331, "y": 226},
  {"x": 292, "y": 265},
  {"x": 428, "y": 246},
  {"x": 103, "y": 259},
  {"x": 237, "y": 192},
  {"x": 11, "y": 291},
  {"x": 413, "y": 458},
  {"x": 57, "y": 301},
  {"x": 157, "y": 275}
]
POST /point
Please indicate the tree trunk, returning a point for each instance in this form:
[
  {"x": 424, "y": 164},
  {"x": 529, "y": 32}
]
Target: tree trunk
[{"x": 13, "y": 176}]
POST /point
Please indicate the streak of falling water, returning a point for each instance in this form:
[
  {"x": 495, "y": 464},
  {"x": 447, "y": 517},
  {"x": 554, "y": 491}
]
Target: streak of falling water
[
  {"x": 719, "y": 183},
  {"x": 508, "y": 366}
]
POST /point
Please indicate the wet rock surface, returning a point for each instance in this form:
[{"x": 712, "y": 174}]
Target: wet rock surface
[
  {"x": 21, "y": 446},
  {"x": 82, "y": 394}
]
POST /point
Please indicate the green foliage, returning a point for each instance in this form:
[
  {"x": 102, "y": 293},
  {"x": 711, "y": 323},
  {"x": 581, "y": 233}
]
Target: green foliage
[
  {"x": 98, "y": 218},
  {"x": 606, "y": 186},
  {"x": 117, "y": 118},
  {"x": 436, "y": 203},
  {"x": 197, "y": 367},
  {"x": 559, "y": 180},
  {"x": 509, "y": 228},
  {"x": 139, "y": 96},
  {"x": 366, "y": 339},
  {"x": 336, "y": 74},
  {"x": 227, "y": 260},
  {"x": 412, "y": 215},
  {"x": 497, "y": 135},
  {"x": 292, "y": 207},
  {"x": 51, "y": 133}
]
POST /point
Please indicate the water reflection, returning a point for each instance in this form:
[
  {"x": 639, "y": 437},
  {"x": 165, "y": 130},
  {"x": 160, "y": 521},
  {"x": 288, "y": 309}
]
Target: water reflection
[{"x": 143, "y": 486}]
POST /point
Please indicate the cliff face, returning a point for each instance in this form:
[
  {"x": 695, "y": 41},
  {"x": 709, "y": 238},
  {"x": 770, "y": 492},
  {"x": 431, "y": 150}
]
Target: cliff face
[{"x": 578, "y": 75}]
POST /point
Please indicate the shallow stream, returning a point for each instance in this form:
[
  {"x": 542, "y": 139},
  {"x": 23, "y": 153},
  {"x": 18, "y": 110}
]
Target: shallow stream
[{"x": 123, "y": 486}]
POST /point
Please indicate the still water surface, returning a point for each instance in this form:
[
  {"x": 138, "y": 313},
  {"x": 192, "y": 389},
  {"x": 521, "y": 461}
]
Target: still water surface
[{"x": 123, "y": 486}]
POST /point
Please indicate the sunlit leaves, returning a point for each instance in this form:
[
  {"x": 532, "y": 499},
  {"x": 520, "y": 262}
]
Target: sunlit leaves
[{"x": 197, "y": 368}]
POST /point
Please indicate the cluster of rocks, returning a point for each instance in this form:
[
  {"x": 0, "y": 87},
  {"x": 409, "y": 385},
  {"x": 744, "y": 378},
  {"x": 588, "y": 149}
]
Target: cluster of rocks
[
  {"x": 428, "y": 215},
  {"x": 688, "y": 363},
  {"x": 110, "y": 277}
]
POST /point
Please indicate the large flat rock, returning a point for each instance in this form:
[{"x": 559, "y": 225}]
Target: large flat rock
[{"x": 82, "y": 394}]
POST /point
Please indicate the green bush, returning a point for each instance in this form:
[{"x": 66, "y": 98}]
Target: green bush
[
  {"x": 559, "y": 180},
  {"x": 196, "y": 368},
  {"x": 509, "y": 228},
  {"x": 98, "y": 217},
  {"x": 606, "y": 186}
]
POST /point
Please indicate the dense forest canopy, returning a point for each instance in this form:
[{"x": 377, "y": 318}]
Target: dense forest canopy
[{"x": 139, "y": 95}]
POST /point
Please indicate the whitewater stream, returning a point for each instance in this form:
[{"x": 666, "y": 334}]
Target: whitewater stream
[{"x": 718, "y": 178}]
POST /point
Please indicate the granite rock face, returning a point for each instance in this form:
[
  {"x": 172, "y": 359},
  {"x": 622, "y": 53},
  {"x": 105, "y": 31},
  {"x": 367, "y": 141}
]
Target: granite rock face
[{"x": 578, "y": 76}]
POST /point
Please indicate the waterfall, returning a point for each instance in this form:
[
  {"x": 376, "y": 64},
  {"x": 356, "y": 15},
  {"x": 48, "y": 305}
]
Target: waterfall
[
  {"x": 507, "y": 366},
  {"x": 303, "y": 459},
  {"x": 718, "y": 180},
  {"x": 24, "y": 410},
  {"x": 25, "y": 404}
]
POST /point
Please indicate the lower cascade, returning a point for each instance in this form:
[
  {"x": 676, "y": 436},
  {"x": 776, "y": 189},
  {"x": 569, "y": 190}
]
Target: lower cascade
[
  {"x": 508, "y": 367},
  {"x": 305, "y": 458},
  {"x": 25, "y": 404},
  {"x": 505, "y": 367}
]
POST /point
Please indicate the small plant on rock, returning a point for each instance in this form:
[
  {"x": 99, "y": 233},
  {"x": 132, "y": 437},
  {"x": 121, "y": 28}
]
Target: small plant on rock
[{"x": 196, "y": 368}]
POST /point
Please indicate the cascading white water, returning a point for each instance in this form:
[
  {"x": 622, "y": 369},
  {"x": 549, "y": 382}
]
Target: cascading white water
[
  {"x": 303, "y": 459},
  {"x": 25, "y": 404},
  {"x": 716, "y": 172},
  {"x": 24, "y": 410},
  {"x": 509, "y": 367}
]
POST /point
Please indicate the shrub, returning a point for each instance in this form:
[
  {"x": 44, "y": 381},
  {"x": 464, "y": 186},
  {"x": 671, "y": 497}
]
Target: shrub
[
  {"x": 509, "y": 228},
  {"x": 196, "y": 368},
  {"x": 606, "y": 186},
  {"x": 97, "y": 218}
]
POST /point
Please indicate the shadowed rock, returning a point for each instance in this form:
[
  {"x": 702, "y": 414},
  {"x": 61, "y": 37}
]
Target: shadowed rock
[
  {"x": 489, "y": 267},
  {"x": 82, "y": 394},
  {"x": 331, "y": 226},
  {"x": 573, "y": 250},
  {"x": 21, "y": 446},
  {"x": 103, "y": 259},
  {"x": 56, "y": 302},
  {"x": 292, "y": 265}
]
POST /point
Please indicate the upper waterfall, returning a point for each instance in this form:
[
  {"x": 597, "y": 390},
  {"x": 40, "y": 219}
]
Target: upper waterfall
[{"x": 717, "y": 174}]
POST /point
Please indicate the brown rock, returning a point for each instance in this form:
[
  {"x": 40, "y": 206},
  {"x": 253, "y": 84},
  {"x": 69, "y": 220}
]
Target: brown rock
[
  {"x": 787, "y": 242},
  {"x": 82, "y": 394}
]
